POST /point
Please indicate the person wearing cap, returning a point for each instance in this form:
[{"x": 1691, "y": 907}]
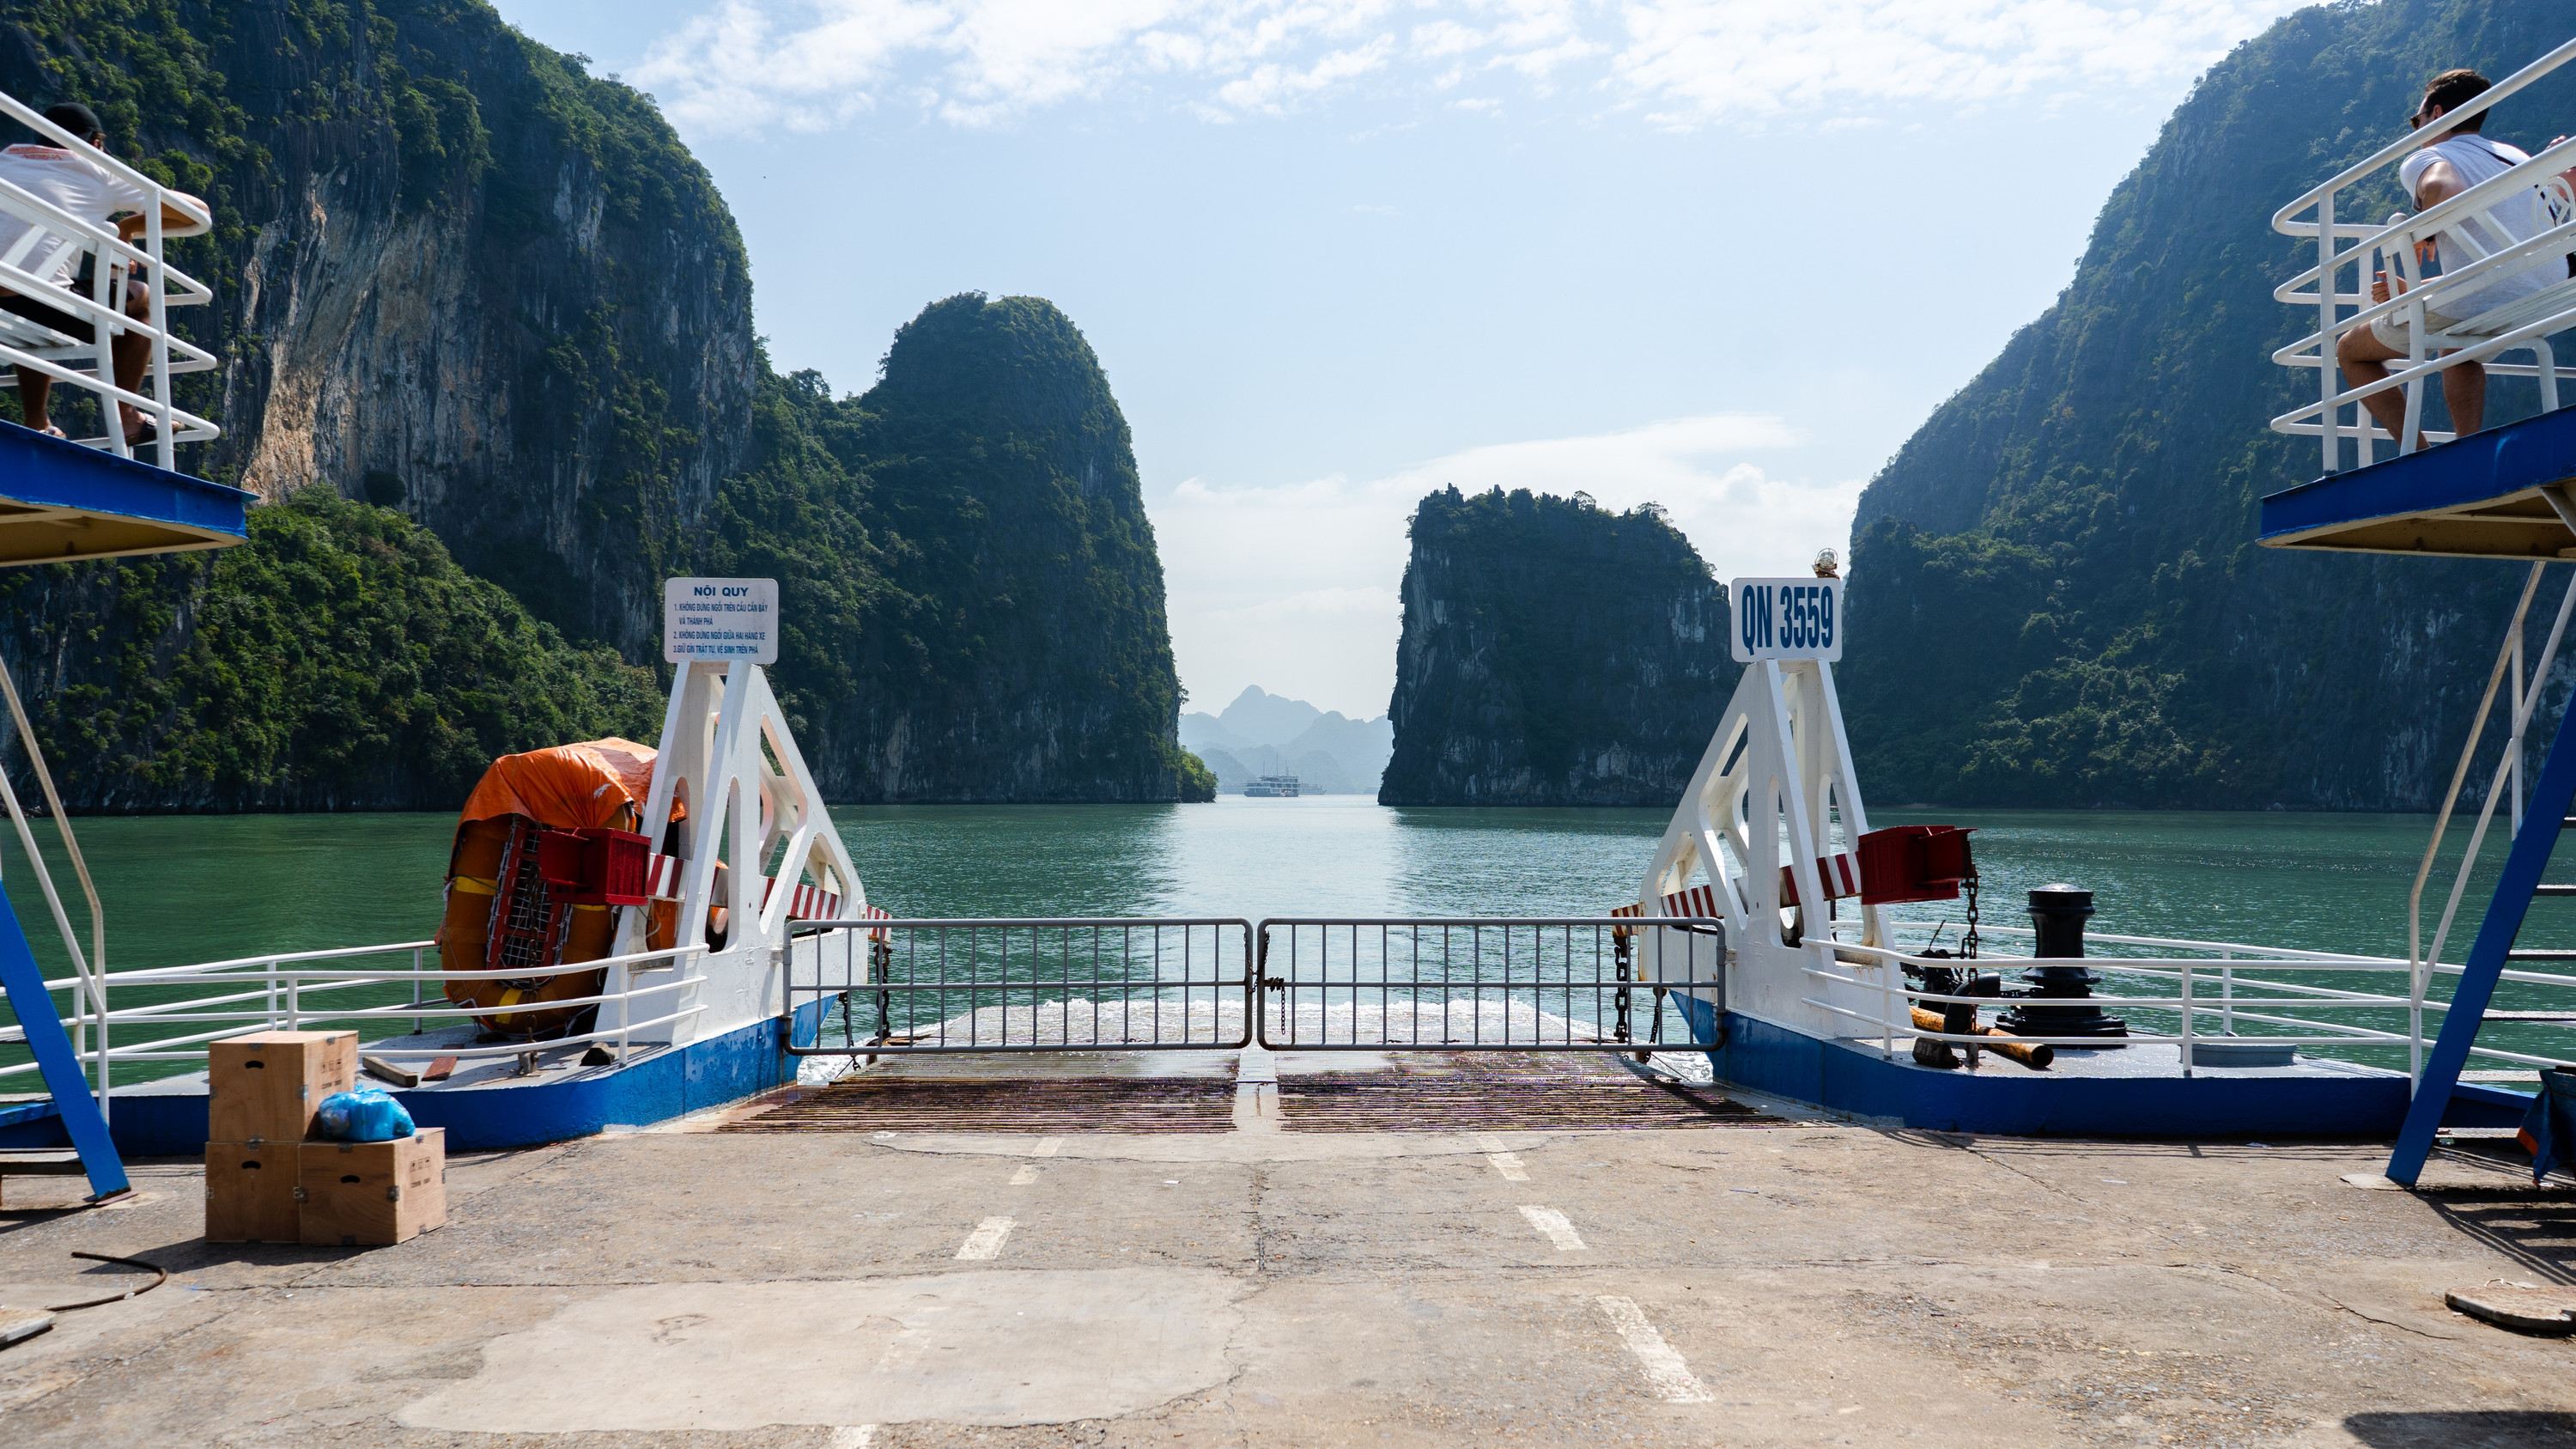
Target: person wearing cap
[
  {"x": 2453, "y": 159},
  {"x": 74, "y": 182}
]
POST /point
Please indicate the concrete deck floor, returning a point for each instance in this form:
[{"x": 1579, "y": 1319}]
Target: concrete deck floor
[{"x": 1816, "y": 1283}]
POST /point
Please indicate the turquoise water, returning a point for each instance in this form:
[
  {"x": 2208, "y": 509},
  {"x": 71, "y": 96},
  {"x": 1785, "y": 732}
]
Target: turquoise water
[{"x": 186, "y": 889}]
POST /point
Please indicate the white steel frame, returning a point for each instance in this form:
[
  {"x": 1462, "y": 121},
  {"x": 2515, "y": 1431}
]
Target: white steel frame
[
  {"x": 2522, "y": 326},
  {"x": 725, "y": 743},
  {"x": 1776, "y": 780},
  {"x": 88, "y": 366}
]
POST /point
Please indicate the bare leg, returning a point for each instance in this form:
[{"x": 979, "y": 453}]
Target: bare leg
[
  {"x": 35, "y": 390},
  {"x": 131, "y": 351},
  {"x": 2364, "y": 357},
  {"x": 2464, "y": 387}
]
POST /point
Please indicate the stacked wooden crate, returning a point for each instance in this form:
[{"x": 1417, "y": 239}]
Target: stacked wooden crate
[{"x": 266, "y": 1182}]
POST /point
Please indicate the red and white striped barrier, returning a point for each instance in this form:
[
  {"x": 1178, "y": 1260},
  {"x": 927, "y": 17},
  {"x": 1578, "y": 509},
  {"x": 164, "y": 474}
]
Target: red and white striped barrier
[
  {"x": 1840, "y": 873},
  {"x": 1696, "y": 900},
  {"x": 809, "y": 903}
]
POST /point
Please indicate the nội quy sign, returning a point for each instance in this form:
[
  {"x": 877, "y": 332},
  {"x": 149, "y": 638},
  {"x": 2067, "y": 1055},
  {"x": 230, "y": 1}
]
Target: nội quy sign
[{"x": 720, "y": 620}]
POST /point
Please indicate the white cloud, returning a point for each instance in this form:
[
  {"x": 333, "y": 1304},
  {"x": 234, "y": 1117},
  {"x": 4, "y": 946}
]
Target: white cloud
[
  {"x": 745, "y": 65},
  {"x": 1689, "y": 61},
  {"x": 1293, "y": 588}
]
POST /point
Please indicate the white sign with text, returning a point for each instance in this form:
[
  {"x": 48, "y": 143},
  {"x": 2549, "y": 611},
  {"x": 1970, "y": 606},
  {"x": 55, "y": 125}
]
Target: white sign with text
[
  {"x": 720, "y": 619},
  {"x": 1786, "y": 619}
]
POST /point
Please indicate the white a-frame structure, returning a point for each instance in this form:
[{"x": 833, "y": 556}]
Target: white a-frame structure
[
  {"x": 728, "y": 756},
  {"x": 1762, "y": 836}
]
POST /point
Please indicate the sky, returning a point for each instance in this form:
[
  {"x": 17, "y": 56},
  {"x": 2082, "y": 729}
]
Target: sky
[{"x": 1721, "y": 255}]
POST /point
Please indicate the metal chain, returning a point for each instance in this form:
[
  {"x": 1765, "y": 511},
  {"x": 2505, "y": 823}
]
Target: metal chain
[
  {"x": 1620, "y": 949},
  {"x": 1968, "y": 943}
]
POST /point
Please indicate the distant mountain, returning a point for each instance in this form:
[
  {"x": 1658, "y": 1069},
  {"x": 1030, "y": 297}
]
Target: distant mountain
[{"x": 1269, "y": 734}]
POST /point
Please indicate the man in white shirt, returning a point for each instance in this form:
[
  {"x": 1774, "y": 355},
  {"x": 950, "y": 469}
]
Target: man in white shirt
[
  {"x": 2449, "y": 164},
  {"x": 75, "y": 183}
]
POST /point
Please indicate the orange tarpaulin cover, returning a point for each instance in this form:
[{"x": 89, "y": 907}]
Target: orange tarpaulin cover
[{"x": 569, "y": 787}]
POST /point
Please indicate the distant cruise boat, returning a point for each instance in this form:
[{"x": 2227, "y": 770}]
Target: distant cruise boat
[{"x": 1273, "y": 786}]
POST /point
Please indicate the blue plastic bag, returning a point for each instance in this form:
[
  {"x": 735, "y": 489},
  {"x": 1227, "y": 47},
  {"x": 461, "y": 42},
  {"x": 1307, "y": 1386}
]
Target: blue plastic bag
[{"x": 365, "y": 1115}]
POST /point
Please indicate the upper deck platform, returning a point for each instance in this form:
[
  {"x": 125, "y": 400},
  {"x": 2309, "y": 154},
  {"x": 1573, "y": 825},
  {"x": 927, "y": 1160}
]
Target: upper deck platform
[
  {"x": 2501, "y": 493},
  {"x": 61, "y": 501},
  {"x": 2502, "y": 300}
]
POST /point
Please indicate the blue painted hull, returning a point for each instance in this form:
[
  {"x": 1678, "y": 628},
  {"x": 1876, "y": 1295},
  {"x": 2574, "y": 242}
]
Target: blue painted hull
[
  {"x": 670, "y": 1084},
  {"x": 1762, "y": 1057}
]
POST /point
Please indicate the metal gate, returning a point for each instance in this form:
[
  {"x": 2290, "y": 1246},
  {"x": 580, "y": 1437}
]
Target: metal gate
[
  {"x": 1557, "y": 983},
  {"x": 921, "y": 987}
]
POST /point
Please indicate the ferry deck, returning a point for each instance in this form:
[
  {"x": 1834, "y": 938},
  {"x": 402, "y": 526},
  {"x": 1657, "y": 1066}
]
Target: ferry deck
[{"x": 1767, "y": 1155}]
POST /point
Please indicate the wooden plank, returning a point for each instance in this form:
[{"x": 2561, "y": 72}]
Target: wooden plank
[
  {"x": 48, "y": 1162},
  {"x": 17, "y": 1325},
  {"x": 379, "y": 1067}
]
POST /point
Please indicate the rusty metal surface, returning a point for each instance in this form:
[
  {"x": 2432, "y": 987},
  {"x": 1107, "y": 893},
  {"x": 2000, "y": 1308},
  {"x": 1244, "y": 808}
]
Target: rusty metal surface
[
  {"x": 1001, "y": 1104},
  {"x": 1492, "y": 1101}
]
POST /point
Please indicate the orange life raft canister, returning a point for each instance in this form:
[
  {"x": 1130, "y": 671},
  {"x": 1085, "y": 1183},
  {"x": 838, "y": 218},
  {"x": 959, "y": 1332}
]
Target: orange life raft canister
[{"x": 548, "y": 851}]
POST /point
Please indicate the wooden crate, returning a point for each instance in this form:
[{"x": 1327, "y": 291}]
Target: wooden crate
[
  {"x": 266, "y": 1086},
  {"x": 363, "y": 1194},
  {"x": 250, "y": 1192}
]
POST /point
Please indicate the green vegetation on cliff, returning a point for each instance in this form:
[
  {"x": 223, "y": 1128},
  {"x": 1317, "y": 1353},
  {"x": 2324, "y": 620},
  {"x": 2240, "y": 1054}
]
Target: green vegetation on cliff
[
  {"x": 1553, "y": 654},
  {"x": 976, "y": 602},
  {"x": 2056, "y": 598},
  {"x": 461, "y": 278},
  {"x": 339, "y": 658}
]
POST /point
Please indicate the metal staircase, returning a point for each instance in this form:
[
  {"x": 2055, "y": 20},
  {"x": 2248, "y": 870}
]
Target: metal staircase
[
  {"x": 23, "y": 981},
  {"x": 2497, "y": 949},
  {"x": 71, "y": 1097}
]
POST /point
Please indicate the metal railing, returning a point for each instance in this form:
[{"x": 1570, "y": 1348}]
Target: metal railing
[
  {"x": 2523, "y": 325},
  {"x": 2191, "y": 992},
  {"x": 88, "y": 364},
  {"x": 1592, "y": 983},
  {"x": 922, "y": 987},
  {"x": 184, "y": 1008},
  {"x": 2506, "y": 784}
]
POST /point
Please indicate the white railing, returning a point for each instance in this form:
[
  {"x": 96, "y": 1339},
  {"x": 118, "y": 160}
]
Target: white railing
[
  {"x": 2528, "y": 682},
  {"x": 2521, "y": 326},
  {"x": 2213, "y": 990},
  {"x": 89, "y": 365},
  {"x": 191, "y": 1006}
]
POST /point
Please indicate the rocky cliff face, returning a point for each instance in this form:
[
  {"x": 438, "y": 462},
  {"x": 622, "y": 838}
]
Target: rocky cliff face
[
  {"x": 2056, "y": 597},
  {"x": 1552, "y": 654},
  {"x": 456, "y": 276},
  {"x": 995, "y": 629},
  {"x": 461, "y": 279}
]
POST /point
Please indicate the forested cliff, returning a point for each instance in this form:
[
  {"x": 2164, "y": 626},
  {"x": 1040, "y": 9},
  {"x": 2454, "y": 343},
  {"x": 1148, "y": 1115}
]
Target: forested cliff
[
  {"x": 493, "y": 302},
  {"x": 2056, "y": 597},
  {"x": 1553, "y": 653}
]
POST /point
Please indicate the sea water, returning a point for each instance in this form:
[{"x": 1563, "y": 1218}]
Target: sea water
[{"x": 181, "y": 889}]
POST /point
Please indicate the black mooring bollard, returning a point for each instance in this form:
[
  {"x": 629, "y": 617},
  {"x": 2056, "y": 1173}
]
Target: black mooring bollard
[{"x": 2058, "y": 913}]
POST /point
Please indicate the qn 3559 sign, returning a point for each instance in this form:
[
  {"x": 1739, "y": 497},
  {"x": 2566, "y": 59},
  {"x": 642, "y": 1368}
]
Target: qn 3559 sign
[{"x": 1787, "y": 619}]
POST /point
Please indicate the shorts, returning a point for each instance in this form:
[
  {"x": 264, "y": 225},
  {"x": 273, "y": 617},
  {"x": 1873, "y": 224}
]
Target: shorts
[
  {"x": 71, "y": 324},
  {"x": 2396, "y": 332},
  {"x": 45, "y": 314}
]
